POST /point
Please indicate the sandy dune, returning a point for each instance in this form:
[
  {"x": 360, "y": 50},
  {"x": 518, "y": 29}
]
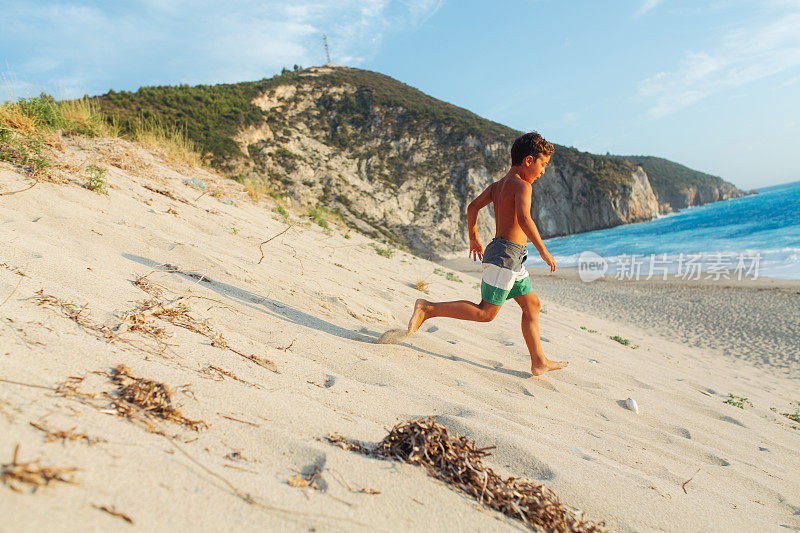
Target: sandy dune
[{"x": 313, "y": 308}]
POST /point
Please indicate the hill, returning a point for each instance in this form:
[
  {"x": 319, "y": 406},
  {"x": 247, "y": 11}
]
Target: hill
[
  {"x": 679, "y": 186},
  {"x": 392, "y": 161}
]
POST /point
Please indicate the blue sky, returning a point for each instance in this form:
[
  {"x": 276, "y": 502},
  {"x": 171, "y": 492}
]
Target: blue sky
[{"x": 714, "y": 85}]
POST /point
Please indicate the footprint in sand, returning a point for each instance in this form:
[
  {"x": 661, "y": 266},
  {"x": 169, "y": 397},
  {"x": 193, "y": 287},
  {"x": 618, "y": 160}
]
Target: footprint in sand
[
  {"x": 392, "y": 336},
  {"x": 545, "y": 385},
  {"x": 718, "y": 461},
  {"x": 730, "y": 419}
]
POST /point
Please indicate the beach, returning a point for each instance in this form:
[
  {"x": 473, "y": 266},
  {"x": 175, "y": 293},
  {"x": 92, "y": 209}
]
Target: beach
[
  {"x": 754, "y": 320},
  {"x": 265, "y": 338}
]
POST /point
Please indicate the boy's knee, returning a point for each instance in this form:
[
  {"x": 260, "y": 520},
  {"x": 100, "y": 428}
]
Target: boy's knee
[
  {"x": 488, "y": 314},
  {"x": 532, "y": 305}
]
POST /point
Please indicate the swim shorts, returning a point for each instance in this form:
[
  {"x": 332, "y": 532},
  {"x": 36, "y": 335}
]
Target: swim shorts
[{"x": 504, "y": 273}]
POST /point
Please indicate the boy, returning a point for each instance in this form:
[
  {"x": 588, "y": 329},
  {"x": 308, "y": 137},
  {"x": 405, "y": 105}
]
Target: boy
[{"x": 504, "y": 274}]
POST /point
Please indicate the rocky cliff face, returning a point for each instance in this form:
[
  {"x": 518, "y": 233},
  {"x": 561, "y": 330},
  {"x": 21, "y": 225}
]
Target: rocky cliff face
[
  {"x": 404, "y": 177},
  {"x": 678, "y": 187},
  {"x": 566, "y": 202}
]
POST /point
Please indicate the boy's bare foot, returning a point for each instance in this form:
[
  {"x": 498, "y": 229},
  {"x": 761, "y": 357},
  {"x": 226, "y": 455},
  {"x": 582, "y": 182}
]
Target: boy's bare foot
[
  {"x": 538, "y": 370},
  {"x": 418, "y": 317}
]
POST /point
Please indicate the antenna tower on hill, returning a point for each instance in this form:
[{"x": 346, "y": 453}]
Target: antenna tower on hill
[{"x": 327, "y": 49}]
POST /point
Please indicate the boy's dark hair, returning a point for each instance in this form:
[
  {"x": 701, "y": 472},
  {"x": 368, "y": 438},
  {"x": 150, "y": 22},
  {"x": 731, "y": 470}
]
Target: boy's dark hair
[{"x": 530, "y": 144}]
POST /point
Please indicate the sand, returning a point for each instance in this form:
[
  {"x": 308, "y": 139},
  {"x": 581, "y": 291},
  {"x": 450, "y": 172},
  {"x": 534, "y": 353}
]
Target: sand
[{"x": 314, "y": 307}]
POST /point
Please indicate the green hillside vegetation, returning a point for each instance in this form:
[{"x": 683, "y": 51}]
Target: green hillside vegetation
[
  {"x": 213, "y": 114},
  {"x": 669, "y": 178},
  {"x": 608, "y": 174}
]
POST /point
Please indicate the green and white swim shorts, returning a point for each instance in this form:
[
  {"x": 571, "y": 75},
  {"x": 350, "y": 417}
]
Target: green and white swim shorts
[{"x": 504, "y": 273}]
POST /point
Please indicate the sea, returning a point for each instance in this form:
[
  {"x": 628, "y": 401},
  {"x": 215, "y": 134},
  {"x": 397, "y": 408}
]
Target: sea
[{"x": 749, "y": 237}]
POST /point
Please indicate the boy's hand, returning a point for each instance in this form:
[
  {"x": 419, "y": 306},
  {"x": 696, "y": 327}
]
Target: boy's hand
[
  {"x": 549, "y": 260},
  {"x": 475, "y": 250}
]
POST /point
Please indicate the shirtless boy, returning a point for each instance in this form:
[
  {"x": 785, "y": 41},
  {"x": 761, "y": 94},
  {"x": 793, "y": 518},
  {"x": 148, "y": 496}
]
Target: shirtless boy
[{"x": 504, "y": 274}]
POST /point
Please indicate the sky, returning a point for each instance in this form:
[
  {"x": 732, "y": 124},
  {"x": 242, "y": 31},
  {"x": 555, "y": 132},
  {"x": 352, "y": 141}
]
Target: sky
[{"x": 714, "y": 85}]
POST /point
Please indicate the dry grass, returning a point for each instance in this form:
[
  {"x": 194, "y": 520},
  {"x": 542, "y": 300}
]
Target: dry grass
[
  {"x": 142, "y": 400},
  {"x": 422, "y": 285},
  {"x": 456, "y": 460},
  {"x": 172, "y": 143},
  {"x": 71, "y": 311},
  {"x": 32, "y": 474},
  {"x": 177, "y": 313},
  {"x": 64, "y": 436}
]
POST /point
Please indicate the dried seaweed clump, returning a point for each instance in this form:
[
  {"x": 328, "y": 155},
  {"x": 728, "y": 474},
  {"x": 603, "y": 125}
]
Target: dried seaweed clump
[
  {"x": 456, "y": 460},
  {"x": 32, "y": 474},
  {"x": 141, "y": 399}
]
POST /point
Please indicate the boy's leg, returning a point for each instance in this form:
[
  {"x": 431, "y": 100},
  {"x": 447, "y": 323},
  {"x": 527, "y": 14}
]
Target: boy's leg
[
  {"x": 530, "y": 305},
  {"x": 461, "y": 309}
]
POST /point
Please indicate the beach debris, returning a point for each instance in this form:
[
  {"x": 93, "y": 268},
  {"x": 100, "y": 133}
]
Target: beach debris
[
  {"x": 456, "y": 460},
  {"x": 165, "y": 192},
  {"x": 191, "y": 182},
  {"x": 422, "y": 285},
  {"x": 630, "y": 403},
  {"x": 312, "y": 478},
  {"x": 261, "y": 246},
  {"x": 178, "y": 313},
  {"x": 142, "y": 400},
  {"x": 216, "y": 373},
  {"x": 392, "y": 336},
  {"x": 64, "y": 436},
  {"x": 71, "y": 311},
  {"x": 683, "y": 486},
  {"x": 113, "y": 512},
  {"x": 32, "y": 473}
]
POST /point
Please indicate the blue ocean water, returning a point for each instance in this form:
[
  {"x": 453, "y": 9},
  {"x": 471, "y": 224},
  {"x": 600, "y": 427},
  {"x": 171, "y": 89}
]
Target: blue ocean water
[{"x": 763, "y": 230}]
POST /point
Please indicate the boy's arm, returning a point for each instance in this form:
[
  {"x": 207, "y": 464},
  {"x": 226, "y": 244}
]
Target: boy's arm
[
  {"x": 483, "y": 199},
  {"x": 522, "y": 203}
]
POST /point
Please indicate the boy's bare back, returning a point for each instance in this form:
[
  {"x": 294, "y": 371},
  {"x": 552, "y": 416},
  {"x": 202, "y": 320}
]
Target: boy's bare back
[{"x": 505, "y": 194}]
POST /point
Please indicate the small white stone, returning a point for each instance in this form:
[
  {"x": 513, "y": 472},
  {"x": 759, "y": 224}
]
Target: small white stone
[{"x": 630, "y": 403}]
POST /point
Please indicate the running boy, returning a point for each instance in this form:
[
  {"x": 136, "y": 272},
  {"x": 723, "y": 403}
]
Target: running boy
[{"x": 504, "y": 273}]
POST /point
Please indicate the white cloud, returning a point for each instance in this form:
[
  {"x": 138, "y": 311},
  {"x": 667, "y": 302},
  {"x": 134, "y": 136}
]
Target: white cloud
[
  {"x": 75, "y": 48},
  {"x": 647, "y": 5},
  {"x": 746, "y": 54}
]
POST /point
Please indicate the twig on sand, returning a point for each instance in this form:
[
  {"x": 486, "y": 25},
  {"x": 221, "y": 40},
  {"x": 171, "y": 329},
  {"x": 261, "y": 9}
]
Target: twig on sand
[
  {"x": 36, "y": 181},
  {"x": 236, "y": 492},
  {"x": 113, "y": 512},
  {"x": 27, "y": 384},
  {"x": 683, "y": 486},
  {"x": 286, "y": 348},
  {"x": 12, "y": 292},
  {"x": 261, "y": 246}
]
